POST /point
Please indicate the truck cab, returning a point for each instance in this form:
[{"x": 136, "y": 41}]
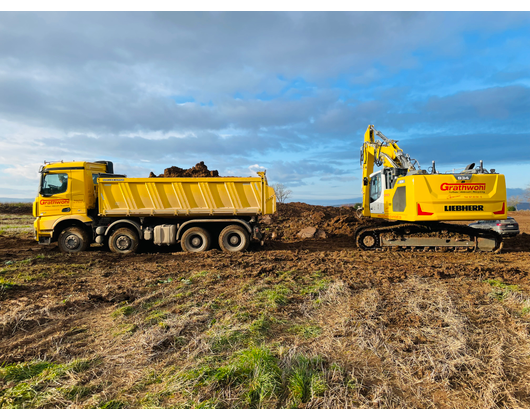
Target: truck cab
[{"x": 67, "y": 199}]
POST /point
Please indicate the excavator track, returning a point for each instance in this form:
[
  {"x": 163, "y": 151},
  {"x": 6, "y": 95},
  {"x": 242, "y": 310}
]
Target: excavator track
[{"x": 432, "y": 236}]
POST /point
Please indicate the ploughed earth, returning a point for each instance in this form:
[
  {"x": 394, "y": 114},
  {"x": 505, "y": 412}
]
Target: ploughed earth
[{"x": 307, "y": 320}]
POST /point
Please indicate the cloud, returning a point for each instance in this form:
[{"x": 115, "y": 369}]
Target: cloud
[
  {"x": 498, "y": 103},
  {"x": 464, "y": 149},
  {"x": 292, "y": 92}
]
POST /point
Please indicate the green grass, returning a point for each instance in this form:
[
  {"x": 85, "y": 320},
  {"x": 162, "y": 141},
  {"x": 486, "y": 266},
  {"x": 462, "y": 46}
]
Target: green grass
[
  {"x": 275, "y": 297},
  {"x": 500, "y": 290},
  {"x": 256, "y": 370},
  {"x": 306, "y": 331},
  {"x": 6, "y": 284},
  {"x": 254, "y": 377},
  {"x": 123, "y": 311},
  {"x": 33, "y": 384},
  {"x": 305, "y": 380},
  {"x": 156, "y": 317}
]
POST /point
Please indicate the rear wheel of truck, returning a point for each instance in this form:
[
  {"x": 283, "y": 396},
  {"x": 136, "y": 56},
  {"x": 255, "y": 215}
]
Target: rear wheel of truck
[
  {"x": 195, "y": 239},
  {"x": 73, "y": 239},
  {"x": 123, "y": 241},
  {"x": 234, "y": 238}
]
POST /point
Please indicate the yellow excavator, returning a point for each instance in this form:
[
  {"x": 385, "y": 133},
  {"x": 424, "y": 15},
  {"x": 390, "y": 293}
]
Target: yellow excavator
[{"x": 412, "y": 203}]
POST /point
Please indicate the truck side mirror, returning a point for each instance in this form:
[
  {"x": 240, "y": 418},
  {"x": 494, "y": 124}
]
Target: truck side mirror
[{"x": 365, "y": 181}]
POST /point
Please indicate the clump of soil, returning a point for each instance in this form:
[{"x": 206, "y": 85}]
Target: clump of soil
[{"x": 200, "y": 170}]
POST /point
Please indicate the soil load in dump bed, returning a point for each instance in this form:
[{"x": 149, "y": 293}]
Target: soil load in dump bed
[{"x": 200, "y": 170}]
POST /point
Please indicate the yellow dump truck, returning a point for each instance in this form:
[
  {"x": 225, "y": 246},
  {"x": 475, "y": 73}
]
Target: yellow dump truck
[{"x": 84, "y": 202}]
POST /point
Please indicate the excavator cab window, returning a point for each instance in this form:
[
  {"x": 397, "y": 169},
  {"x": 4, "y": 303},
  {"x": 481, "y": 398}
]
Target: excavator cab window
[{"x": 375, "y": 187}]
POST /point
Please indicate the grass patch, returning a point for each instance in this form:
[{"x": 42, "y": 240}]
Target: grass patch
[
  {"x": 306, "y": 331},
  {"x": 112, "y": 405},
  {"x": 255, "y": 377},
  {"x": 275, "y": 297},
  {"x": 305, "y": 380},
  {"x": 500, "y": 290},
  {"x": 6, "y": 284},
  {"x": 34, "y": 384},
  {"x": 123, "y": 311},
  {"x": 126, "y": 329},
  {"x": 156, "y": 317},
  {"x": 256, "y": 370}
]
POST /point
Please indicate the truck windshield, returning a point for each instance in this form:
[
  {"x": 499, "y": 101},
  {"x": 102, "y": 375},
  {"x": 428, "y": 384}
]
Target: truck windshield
[{"x": 54, "y": 184}]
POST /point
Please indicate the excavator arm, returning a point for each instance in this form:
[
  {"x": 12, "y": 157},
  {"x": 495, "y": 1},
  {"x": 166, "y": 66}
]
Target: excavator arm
[{"x": 384, "y": 152}]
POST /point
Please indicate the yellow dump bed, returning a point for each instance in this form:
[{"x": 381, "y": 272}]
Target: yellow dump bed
[{"x": 165, "y": 197}]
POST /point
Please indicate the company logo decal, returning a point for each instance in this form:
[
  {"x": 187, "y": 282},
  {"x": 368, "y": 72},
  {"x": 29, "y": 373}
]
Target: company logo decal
[
  {"x": 470, "y": 187},
  {"x": 55, "y": 202},
  {"x": 464, "y": 208}
]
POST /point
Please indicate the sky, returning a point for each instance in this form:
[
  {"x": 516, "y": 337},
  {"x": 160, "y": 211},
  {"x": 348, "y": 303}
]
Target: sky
[{"x": 289, "y": 92}]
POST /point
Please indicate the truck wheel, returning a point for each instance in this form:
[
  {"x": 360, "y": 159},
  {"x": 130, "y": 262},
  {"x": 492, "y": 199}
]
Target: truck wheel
[
  {"x": 234, "y": 238},
  {"x": 195, "y": 239},
  {"x": 73, "y": 239},
  {"x": 123, "y": 241}
]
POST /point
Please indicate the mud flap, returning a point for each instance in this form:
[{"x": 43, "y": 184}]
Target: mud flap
[{"x": 45, "y": 240}]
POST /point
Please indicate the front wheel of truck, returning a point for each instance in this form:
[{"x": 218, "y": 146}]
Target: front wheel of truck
[
  {"x": 123, "y": 241},
  {"x": 73, "y": 239}
]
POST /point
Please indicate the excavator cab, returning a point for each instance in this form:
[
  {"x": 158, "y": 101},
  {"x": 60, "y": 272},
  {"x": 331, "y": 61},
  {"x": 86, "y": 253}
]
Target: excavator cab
[{"x": 380, "y": 182}]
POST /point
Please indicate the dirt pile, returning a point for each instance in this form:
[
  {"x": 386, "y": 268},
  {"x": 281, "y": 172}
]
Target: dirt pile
[
  {"x": 200, "y": 170},
  {"x": 293, "y": 221}
]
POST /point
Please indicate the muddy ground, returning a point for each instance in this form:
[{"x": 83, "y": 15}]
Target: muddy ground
[{"x": 331, "y": 326}]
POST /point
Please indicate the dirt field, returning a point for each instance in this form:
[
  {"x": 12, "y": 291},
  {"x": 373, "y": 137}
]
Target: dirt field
[{"x": 308, "y": 323}]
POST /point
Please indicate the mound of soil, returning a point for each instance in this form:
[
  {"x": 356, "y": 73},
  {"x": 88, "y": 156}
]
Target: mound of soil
[
  {"x": 200, "y": 170},
  {"x": 300, "y": 220}
]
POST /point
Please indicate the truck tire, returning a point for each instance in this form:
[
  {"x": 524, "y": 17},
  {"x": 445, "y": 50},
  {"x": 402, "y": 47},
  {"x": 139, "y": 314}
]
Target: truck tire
[
  {"x": 123, "y": 241},
  {"x": 73, "y": 239},
  {"x": 234, "y": 238},
  {"x": 195, "y": 239}
]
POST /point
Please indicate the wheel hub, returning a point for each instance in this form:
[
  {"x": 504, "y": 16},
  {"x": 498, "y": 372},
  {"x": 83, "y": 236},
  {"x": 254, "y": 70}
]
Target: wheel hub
[
  {"x": 72, "y": 241},
  {"x": 123, "y": 242},
  {"x": 196, "y": 241},
  {"x": 234, "y": 240}
]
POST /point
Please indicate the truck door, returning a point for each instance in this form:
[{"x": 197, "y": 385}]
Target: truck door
[{"x": 55, "y": 194}]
